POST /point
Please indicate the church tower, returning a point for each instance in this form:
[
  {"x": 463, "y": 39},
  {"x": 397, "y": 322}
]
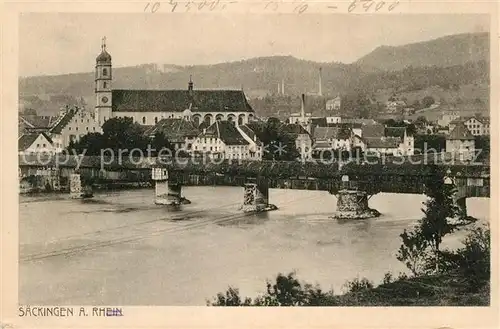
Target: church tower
[{"x": 103, "y": 79}]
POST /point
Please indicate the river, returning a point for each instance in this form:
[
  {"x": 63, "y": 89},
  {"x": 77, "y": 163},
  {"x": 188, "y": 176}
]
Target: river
[{"x": 132, "y": 252}]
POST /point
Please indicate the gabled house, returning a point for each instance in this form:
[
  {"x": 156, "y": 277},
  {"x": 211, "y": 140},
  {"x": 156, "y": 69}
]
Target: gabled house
[
  {"x": 383, "y": 145},
  {"x": 303, "y": 140},
  {"x": 32, "y": 143},
  {"x": 223, "y": 139},
  {"x": 336, "y": 138},
  {"x": 181, "y": 133},
  {"x": 407, "y": 146},
  {"x": 460, "y": 142}
]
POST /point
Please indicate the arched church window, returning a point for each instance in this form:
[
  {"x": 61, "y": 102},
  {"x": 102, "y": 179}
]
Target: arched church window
[
  {"x": 143, "y": 120},
  {"x": 104, "y": 84},
  {"x": 104, "y": 72}
]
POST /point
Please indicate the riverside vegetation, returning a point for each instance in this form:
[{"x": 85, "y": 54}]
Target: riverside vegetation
[{"x": 438, "y": 277}]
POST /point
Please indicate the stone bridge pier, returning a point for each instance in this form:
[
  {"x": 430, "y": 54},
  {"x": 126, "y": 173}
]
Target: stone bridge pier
[
  {"x": 78, "y": 188},
  {"x": 256, "y": 196},
  {"x": 167, "y": 191},
  {"x": 352, "y": 202}
]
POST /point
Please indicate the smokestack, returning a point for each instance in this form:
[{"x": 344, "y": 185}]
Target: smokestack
[
  {"x": 283, "y": 86},
  {"x": 320, "y": 93},
  {"x": 279, "y": 88},
  {"x": 302, "y": 107}
]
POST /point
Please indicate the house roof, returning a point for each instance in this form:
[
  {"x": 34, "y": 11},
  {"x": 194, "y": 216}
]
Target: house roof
[
  {"x": 294, "y": 129},
  {"x": 323, "y": 133},
  {"x": 179, "y": 100},
  {"x": 25, "y": 141},
  {"x": 395, "y": 132},
  {"x": 174, "y": 129},
  {"x": 373, "y": 130},
  {"x": 319, "y": 122},
  {"x": 226, "y": 131},
  {"x": 359, "y": 121},
  {"x": 38, "y": 121},
  {"x": 382, "y": 142},
  {"x": 322, "y": 145},
  {"x": 250, "y": 133},
  {"x": 64, "y": 120},
  {"x": 460, "y": 132}
]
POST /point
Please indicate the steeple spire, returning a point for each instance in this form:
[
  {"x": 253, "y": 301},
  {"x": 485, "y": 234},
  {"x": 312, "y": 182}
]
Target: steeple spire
[{"x": 103, "y": 44}]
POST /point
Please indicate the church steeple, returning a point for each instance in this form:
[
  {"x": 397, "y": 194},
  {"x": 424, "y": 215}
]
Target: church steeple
[
  {"x": 103, "y": 79},
  {"x": 190, "y": 84}
]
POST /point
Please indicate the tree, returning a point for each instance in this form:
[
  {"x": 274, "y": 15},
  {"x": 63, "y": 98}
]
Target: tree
[
  {"x": 160, "y": 142},
  {"x": 427, "y": 101},
  {"x": 89, "y": 144},
  {"x": 428, "y": 234},
  {"x": 123, "y": 134},
  {"x": 421, "y": 121}
]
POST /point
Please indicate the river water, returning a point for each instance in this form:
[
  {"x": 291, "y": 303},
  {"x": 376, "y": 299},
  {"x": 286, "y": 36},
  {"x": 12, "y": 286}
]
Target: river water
[{"x": 119, "y": 248}]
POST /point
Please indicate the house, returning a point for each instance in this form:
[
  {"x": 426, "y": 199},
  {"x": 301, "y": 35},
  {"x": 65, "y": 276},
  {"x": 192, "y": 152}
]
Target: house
[
  {"x": 382, "y": 145},
  {"x": 224, "y": 140},
  {"x": 303, "y": 140},
  {"x": 336, "y": 138},
  {"x": 447, "y": 117},
  {"x": 33, "y": 143},
  {"x": 73, "y": 124},
  {"x": 180, "y": 132},
  {"x": 477, "y": 125},
  {"x": 395, "y": 105},
  {"x": 334, "y": 119},
  {"x": 333, "y": 104},
  {"x": 148, "y": 107},
  {"x": 460, "y": 142},
  {"x": 407, "y": 146}
]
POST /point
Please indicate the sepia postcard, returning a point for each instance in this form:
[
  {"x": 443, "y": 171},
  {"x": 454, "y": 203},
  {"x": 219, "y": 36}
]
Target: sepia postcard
[{"x": 215, "y": 163}]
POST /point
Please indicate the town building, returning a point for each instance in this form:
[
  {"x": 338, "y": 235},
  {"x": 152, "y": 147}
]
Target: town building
[
  {"x": 303, "y": 140},
  {"x": 334, "y": 119},
  {"x": 335, "y": 138},
  {"x": 224, "y": 140},
  {"x": 334, "y": 104},
  {"x": 446, "y": 118},
  {"x": 460, "y": 142},
  {"x": 407, "y": 145},
  {"x": 383, "y": 145},
  {"x": 70, "y": 125},
  {"x": 180, "y": 132},
  {"x": 477, "y": 125},
  {"x": 148, "y": 107},
  {"x": 32, "y": 143}
]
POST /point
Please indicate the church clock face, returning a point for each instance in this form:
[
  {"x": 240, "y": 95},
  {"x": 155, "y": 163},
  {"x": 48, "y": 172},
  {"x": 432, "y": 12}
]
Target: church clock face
[{"x": 104, "y": 99}]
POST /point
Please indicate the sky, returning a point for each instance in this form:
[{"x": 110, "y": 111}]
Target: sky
[{"x": 61, "y": 43}]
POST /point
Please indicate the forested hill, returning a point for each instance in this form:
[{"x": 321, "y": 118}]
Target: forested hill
[
  {"x": 261, "y": 76},
  {"x": 446, "y": 51}
]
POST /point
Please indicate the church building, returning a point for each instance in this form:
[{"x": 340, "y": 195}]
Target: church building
[{"x": 148, "y": 107}]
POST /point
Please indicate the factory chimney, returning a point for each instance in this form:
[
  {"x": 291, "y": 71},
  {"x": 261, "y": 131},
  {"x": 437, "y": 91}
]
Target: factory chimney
[
  {"x": 320, "y": 92},
  {"x": 283, "y": 86}
]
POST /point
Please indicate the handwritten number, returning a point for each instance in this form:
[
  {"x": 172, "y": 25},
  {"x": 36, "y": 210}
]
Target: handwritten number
[
  {"x": 154, "y": 7},
  {"x": 393, "y": 5},
  {"x": 367, "y": 5},
  {"x": 173, "y": 4},
  {"x": 379, "y": 5},
  {"x": 352, "y": 6},
  {"x": 300, "y": 9}
]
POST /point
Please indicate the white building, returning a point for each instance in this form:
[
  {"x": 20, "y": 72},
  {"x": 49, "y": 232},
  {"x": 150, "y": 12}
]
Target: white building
[
  {"x": 37, "y": 143},
  {"x": 461, "y": 143},
  {"x": 445, "y": 118},
  {"x": 224, "y": 140},
  {"x": 333, "y": 104},
  {"x": 407, "y": 146},
  {"x": 148, "y": 107}
]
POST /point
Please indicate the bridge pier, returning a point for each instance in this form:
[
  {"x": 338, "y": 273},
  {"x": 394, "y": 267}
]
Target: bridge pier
[
  {"x": 256, "y": 197},
  {"x": 78, "y": 189},
  {"x": 167, "y": 192},
  {"x": 352, "y": 203}
]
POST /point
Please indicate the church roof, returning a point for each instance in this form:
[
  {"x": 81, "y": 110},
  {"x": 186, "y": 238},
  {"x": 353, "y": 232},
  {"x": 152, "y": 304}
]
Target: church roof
[
  {"x": 179, "y": 100},
  {"x": 294, "y": 129},
  {"x": 104, "y": 56}
]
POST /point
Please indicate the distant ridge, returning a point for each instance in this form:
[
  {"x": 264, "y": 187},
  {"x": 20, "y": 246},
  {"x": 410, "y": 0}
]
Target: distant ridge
[{"x": 446, "y": 51}]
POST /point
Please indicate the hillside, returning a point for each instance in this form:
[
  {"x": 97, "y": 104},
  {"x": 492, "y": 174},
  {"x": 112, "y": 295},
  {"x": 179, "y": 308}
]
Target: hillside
[
  {"x": 446, "y": 51},
  {"x": 260, "y": 76}
]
